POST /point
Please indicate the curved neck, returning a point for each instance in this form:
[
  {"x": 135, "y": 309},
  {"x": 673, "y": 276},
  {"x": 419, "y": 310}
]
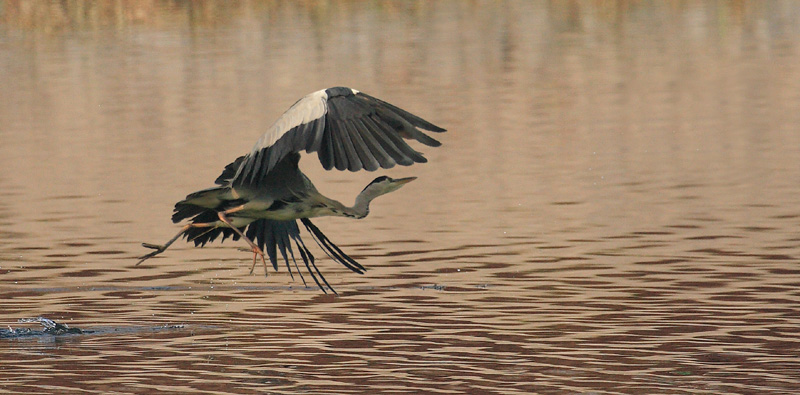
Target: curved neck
[
  {"x": 359, "y": 210},
  {"x": 361, "y": 207}
]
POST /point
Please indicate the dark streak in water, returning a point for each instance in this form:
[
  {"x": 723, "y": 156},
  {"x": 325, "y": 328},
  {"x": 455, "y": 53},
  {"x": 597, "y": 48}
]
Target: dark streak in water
[{"x": 57, "y": 329}]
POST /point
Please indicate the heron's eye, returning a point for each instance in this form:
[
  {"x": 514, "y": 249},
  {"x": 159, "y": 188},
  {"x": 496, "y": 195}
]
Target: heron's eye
[
  {"x": 377, "y": 180},
  {"x": 380, "y": 179}
]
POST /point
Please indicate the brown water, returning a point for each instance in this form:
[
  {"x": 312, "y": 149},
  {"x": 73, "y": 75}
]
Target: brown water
[{"x": 615, "y": 208}]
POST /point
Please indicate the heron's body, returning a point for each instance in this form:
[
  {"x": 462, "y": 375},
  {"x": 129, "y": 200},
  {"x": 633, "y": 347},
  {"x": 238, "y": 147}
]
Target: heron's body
[
  {"x": 296, "y": 198},
  {"x": 264, "y": 193}
]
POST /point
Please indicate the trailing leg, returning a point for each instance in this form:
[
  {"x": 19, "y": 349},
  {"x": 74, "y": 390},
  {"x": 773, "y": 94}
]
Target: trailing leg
[
  {"x": 256, "y": 251},
  {"x": 161, "y": 248}
]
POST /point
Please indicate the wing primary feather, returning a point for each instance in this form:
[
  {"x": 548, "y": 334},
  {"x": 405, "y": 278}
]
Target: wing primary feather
[
  {"x": 249, "y": 166},
  {"x": 307, "y": 254},
  {"x": 304, "y": 258},
  {"x": 380, "y": 135},
  {"x": 333, "y": 251},
  {"x": 283, "y": 243},
  {"x": 301, "y": 135},
  {"x": 339, "y": 155},
  {"x": 425, "y": 139},
  {"x": 271, "y": 159},
  {"x": 316, "y": 130},
  {"x": 230, "y": 171},
  {"x": 306, "y": 222},
  {"x": 353, "y": 160},
  {"x": 343, "y": 107},
  {"x": 337, "y": 135},
  {"x": 308, "y": 268},
  {"x": 289, "y": 268},
  {"x": 405, "y": 128},
  {"x": 326, "y": 154},
  {"x": 356, "y": 110},
  {"x": 412, "y": 154},
  {"x": 273, "y": 237},
  {"x": 271, "y": 250},
  {"x": 267, "y": 242},
  {"x": 365, "y": 155},
  {"x": 253, "y": 234},
  {"x": 354, "y": 144},
  {"x": 310, "y": 263},
  {"x": 262, "y": 166},
  {"x": 278, "y": 153},
  {"x": 324, "y": 280},
  {"x": 393, "y": 135},
  {"x": 374, "y": 147},
  {"x": 407, "y": 155},
  {"x": 411, "y": 118},
  {"x": 292, "y": 234}
]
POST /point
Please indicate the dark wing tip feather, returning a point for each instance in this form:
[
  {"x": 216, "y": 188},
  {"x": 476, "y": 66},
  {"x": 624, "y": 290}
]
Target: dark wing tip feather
[
  {"x": 411, "y": 118},
  {"x": 332, "y": 249},
  {"x": 349, "y": 130},
  {"x": 367, "y": 158},
  {"x": 427, "y": 140},
  {"x": 230, "y": 171},
  {"x": 276, "y": 236}
]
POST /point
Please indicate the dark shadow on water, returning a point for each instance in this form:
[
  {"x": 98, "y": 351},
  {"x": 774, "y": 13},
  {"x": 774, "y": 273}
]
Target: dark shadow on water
[{"x": 54, "y": 329}]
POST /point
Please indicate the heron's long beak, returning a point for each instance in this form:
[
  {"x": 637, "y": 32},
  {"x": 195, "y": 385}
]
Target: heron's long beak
[{"x": 403, "y": 181}]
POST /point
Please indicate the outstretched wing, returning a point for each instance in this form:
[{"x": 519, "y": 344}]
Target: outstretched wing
[{"x": 349, "y": 130}]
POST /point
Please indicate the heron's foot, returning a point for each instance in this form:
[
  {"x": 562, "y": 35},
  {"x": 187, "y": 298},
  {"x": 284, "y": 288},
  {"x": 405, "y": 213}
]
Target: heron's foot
[
  {"x": 154, "y": 246},
  {"x": 256, "y": 252},
  {"x": 158, "y": 249}
]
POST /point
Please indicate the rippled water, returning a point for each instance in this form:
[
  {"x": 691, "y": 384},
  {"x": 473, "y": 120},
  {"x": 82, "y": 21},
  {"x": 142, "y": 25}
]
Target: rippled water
[{"x": 615, "y": 208}]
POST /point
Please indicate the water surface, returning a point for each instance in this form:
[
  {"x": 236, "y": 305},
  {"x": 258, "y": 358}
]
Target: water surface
[{"x": 615, "y": 208}]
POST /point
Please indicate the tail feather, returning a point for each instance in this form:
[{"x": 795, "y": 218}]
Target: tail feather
[
  {"x": 202, "y": 235},
  {"x": 183, "y": 211},
  {"x": 198, "y": 202}
]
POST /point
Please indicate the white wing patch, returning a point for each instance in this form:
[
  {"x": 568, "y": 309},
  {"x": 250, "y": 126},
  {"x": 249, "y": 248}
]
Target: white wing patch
[{"x": 311, "y": 107}]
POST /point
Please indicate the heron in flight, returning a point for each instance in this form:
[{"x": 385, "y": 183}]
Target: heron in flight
[{"x": 260, "y": 196}]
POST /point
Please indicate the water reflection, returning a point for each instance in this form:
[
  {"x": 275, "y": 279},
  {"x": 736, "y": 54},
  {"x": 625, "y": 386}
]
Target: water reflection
[{"x": 614, "y": 208}]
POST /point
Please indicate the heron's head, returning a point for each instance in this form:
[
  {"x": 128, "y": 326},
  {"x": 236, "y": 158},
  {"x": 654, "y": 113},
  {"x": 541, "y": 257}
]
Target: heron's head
[{"x": 383, "y": 185}]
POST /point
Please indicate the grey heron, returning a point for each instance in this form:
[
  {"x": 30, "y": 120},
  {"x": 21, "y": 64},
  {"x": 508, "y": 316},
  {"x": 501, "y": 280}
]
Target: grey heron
[{"x": 260, "y": 196}]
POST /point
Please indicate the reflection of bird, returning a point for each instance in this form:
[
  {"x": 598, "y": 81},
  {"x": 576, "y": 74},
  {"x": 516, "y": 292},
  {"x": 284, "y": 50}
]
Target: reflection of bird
[{"x": 262, "y": 194}]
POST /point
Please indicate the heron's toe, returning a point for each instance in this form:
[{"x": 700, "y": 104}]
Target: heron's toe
[{"x": 154, "y": 246}]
